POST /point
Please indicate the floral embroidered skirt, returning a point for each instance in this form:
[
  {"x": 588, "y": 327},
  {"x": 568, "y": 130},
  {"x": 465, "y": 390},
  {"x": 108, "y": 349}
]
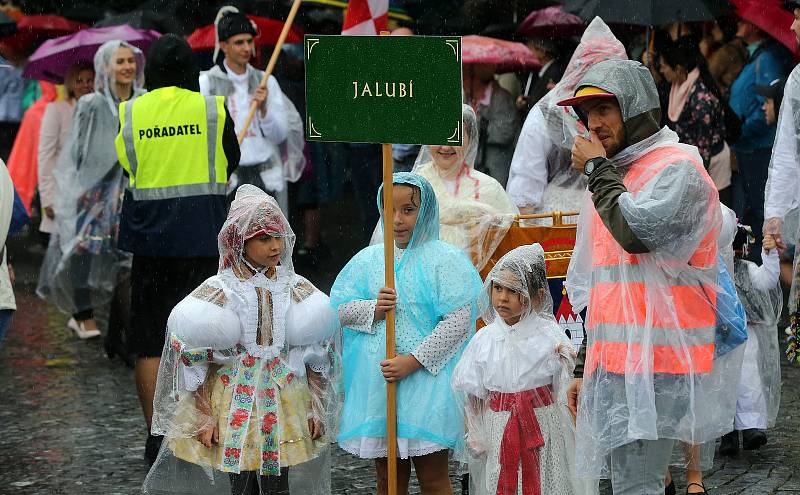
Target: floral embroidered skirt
[{"x": 296, "y": 445}]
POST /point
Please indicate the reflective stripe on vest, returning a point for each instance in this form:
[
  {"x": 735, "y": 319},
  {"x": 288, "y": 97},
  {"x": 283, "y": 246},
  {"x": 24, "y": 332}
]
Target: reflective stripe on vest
[
  {"x": 622, "y": 306},
  {"x": 171, "y": 144}
]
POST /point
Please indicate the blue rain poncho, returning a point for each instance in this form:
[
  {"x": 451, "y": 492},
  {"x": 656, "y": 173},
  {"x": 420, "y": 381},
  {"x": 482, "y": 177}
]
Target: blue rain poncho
[{"x": 437, "y": 287}]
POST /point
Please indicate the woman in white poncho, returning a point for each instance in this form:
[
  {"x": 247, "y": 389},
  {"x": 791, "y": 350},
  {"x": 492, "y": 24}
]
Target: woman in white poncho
[
  {"x": 80, "y": 269},
  {"x": 469, "y": 201},
  {"x": 541, "y": 178}
]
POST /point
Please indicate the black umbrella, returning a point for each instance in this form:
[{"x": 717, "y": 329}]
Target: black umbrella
[
  {"x": 141, "y": 19},
  {"x": 648, "y": 12}
]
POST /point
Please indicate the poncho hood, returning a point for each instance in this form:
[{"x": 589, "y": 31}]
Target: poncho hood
[{"x": 633, "y": 85}]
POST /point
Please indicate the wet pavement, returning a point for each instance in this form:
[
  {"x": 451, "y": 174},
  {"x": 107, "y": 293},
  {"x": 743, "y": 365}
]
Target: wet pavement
[{"x": 71, "y": 422}]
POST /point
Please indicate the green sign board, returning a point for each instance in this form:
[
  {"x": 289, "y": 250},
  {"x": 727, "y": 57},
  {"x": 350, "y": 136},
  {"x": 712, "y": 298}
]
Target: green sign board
[{"x": 383, "y": 89}]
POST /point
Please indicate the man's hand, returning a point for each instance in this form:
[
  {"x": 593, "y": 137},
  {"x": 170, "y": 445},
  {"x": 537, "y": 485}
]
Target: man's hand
[
  {"x": 769, "y": 243},
  {"x": 49, "y": 212},
  {"x": 585, "y": 149},
  {"x": 260, "y": 97},
  {"x": 772, "y": 229},
  {"x": 522, "y": 101},
  {"x": 387, "y": 299},
  {"x": 399, "y": 367},
  {"x": 573, "y": 392}
]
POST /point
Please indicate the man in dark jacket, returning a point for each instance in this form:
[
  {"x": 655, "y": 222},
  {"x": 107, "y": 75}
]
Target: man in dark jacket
[
  {"x": 175, "y": 204},
  {"x": 548, "y": 53}
]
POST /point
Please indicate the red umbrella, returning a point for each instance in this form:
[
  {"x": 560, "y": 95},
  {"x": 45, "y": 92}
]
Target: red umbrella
[
  {"x": 33, "y": 29},
  {"x": 268, "y": 31},
  {"x": 770, "y": 17},
  {"x": 551, "y": 22},
  {"x": 507, "y": 55}
]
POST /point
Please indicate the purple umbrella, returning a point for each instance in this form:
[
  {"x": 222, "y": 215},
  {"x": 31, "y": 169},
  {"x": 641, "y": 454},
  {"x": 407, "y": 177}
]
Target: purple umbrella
[
  {"x": 551, "y": 22},
  {"x": 51, "y": 60}
]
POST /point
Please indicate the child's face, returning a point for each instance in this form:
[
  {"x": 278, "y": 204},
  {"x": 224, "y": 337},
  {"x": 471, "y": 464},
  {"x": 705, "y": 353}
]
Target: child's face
[
  {"x": 263, "y": 251},
  {"x": 508, "y": 303},
  {"x": 406, "y": 210},
  {"x": 769, "y": 111}
]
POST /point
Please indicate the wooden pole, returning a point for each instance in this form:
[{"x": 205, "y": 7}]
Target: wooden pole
[
  {"x": 388, "y": 256},
  {"x": 271, "y": 65},
  {"x": 388, "y": 260}
]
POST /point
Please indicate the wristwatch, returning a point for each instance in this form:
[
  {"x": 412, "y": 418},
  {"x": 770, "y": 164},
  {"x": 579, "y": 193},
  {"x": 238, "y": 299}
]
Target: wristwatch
[{"x": 591, "y": 164}]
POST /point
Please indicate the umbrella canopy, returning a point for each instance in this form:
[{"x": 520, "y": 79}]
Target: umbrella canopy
[
  {"x": 551, "y": 22},
  {"x": 648, "y": 12},
  {"x": 770, "y": 17},
  {"x": 507, "y": 55},
  {"x": 141, "y": 19},
  {"x": 269, "y": 30},
  {"x": 33, "y": 29},
  {"x": 51, "y": 60}
]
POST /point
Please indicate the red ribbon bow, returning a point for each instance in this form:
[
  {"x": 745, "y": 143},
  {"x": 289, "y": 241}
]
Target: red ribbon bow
[{"x": 521, "y": 439}]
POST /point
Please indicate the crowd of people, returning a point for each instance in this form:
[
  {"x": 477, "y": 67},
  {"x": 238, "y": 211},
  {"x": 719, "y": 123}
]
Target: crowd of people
[{"x": 247, "y": 373}]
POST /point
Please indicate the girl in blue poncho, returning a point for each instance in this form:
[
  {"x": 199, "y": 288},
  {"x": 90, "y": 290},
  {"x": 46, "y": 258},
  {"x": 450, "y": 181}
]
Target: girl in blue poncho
[{"x": 434, "y": 302}]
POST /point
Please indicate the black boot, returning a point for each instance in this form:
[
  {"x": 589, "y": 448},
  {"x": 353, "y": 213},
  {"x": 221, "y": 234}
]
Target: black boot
[
  {"x": 753, "y": 439},
  {"x": 465, "y": 484},
  {"x": 729, "y": 445},
  {"x": 151, "y": 448},
  {"x": 670, "y": 489}
]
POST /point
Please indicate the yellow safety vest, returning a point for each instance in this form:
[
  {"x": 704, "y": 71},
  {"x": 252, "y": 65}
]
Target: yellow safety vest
[{"x": 170, "y": 143}]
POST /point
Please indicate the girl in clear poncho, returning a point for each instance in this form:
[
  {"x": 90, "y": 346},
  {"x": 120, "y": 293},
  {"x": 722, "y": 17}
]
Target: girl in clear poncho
[
  {"x": 436, "y": 286},
  {"x": 243, "y": 391},
  {"x": 80, "y": 269},
  {"x": 759, "y": 393},
  {"x": 513, "y": 376},
  {"x": 467, "y": 199}
]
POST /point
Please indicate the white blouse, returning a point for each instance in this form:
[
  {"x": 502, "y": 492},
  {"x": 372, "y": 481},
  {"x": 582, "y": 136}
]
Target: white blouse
[
  {"x": 292, "y": 318},
  {"x": 503, "y": 358}
]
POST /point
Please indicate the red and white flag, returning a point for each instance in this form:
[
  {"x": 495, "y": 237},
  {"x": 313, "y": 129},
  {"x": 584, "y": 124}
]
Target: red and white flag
[{"x": 366, "y": 17}]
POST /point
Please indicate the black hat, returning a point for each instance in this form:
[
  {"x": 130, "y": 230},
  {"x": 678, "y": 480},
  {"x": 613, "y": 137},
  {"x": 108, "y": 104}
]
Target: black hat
[
  {"x": 171, "y": 62},
  {"x": 233, "y": 23},
  {"x": 772, "y": 90}
]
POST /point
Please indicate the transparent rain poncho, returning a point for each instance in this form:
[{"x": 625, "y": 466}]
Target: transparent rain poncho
[
  {"x": 546, "y": 139},
  {"x": 80, "y": 268},
  {"x": 474, "y": 209},
  {"x": 435, "y": 315},
  {"x": 760, "y": 386},
  {"x": 651, "y": 370},
  {"x": 512, "y": 382},
  {"x": 250, "y": 353}
]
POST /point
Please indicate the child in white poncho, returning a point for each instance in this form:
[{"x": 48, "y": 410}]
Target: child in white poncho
[
  {"x": 513, "y": 377},
  {"x": 760, "y": 386},
  {"x": 244, "y": 395}
]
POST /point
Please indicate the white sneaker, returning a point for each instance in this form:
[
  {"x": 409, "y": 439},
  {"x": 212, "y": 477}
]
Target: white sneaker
[
  {"x": 88, "y": 334},
  {"x": 72, "y": 324},
  {"x": 81, "y": 331}
]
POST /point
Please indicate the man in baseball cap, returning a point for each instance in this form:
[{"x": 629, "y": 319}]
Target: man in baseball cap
[{"x": 645, "y": 255}]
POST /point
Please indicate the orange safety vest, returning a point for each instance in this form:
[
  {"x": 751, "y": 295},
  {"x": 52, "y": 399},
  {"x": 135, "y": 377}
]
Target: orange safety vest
[{"x": 621, "y": 303}]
